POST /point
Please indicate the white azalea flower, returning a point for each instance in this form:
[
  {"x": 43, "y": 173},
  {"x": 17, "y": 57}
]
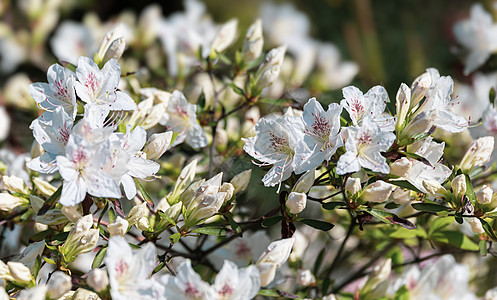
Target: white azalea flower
[
  {"x": 59, "y": 91},
  {"x": 419, "y": 171},
  {"x": 232, "y": 283},
  {"x": 81, "y": 169},
  {"x": 99, "y": 86},
  {"x": 182, "y": 118},
  {"x": 128, "y": 150},
  {"x": 278, "y": 142},
  {"x": 479, "y": 35},
  {"x": 130, "y": 270},
  {"x": 186, "y": 284},
  {"x": 370, "y": 105},
  {"x": 438, "y": 97},
  {"x": 363, "y": 146},
  {"x": 321, "y": 132}
]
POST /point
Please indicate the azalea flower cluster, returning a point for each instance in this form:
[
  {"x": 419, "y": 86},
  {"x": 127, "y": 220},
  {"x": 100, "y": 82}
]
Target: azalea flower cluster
[{"x": 150, "y": 136}]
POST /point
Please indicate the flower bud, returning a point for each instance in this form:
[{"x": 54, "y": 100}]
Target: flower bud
[
  {"x": 229, "y": 189},
  {"x": 15, "y": 184},
  {"x": 330, "y": 297},
  {"x": 137, "y": 212},
  {"x": 475, "y": 224},
  {"x": 274, "y": 57},
  {"x": 458, "y": 185},
  {"x": 184, "y": 180},
  {"x": 253, "y": 42},
  {"x": 484, "y": 195},
  {"x": 403, "y": 101},
  {"x": 277, "y": 252},
  {"x": 420, "y": 124},
  {"x": 81, "y": 239},
  {"x": 434, "y": 188},
  {"x": 98, "y": 280},
  {"x": 190, "y": 192},
  {"x": 109, "y": 39},
  {"x": 267, "y": 77},
  {"x": 305, "y": 182},
  {"x": 419, "y": 87},
  {"x": 305, "y": 277},
  {"x": 353, "y": 185},
  {"x": 58, "y": 285},
  {"x": 380, "y": 273},
  {"x": 401, "y": 196},
  {"x": 116, "y": 49},
  {"x": 35, "y": 293},
  {"x": 20, "y": 273},
  {"x": 45, "y": 188},
  {"x": 296, "y": 202},
  {"x": 267, "y": 272},
  {"x": 478, "y": 154},
  {"x": 299, "y": 246},
  {"x": 119, "y": 227},
  {"x": 400, "y": 167},
  {"x": 73, "y": 213},
  {"x": 9, "y": 202},
  {"x": 174, "y": 211},
  {"x": 241, "y": 181},
  {"x": 225, "y": 36},
  {"x": 84, "y": 294},
  {"x": 157, "y": 144},
  {"x": 143, "y": 224},
  {"x": 204, "y": 210},
  {"x": 378, "y": 191}
]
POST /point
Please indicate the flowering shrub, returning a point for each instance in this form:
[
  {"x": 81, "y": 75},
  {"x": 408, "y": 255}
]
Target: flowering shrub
[{"x": 174, "y": 158}]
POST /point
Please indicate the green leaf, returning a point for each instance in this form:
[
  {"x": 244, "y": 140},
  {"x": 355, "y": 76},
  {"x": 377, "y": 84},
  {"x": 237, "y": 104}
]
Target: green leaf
[
  {"x": 237, "y": 89},
  {"x": 429, "y": 207},
  {"x": 455, "y": 238},
  {"x": 99, "y": 258},
  {"x": 440, "y": 223},
  {"x": 332, "y": 205},
  {"x": 405, "y": 185},
  {"x": 223, "y": 58},
  {"x": 166, "y": 217},
  {"x": 50, "y": 201},
  {"x": 272, "y": 221},
  {"x": 416, "y": 157},
  {"x": 326, "y": 285},
  {"x": 37, "y": 266},
  {"x": 483, "y": 247},
  {"x": 458, "y": 218},
  {"x": 402, "y": 294},
  {"x": 321, "y": 225},
  {"x": 469, "y": 191},
  {"x": 39, "y": 236},
  {"x": 174, "y": 238},
  {"x": 392, "y": 205},
  {"x": 390, "y": 218},
  {"x": 488, "y": 229},
  {"x": 404, "y": 233},
  {"x": 234, "y": 225},
  {"x": 144, "y": 192},
  {"x": 159, "y": 267},
  {"x": 112, "y": 215},
  {"x": 49, "y": 261},
  {"x": 213, "y": 230},
  {"x": 60, "y": 236},
  {"x": 104, "y": 210},
  {"x": 269, "y": 293}
]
